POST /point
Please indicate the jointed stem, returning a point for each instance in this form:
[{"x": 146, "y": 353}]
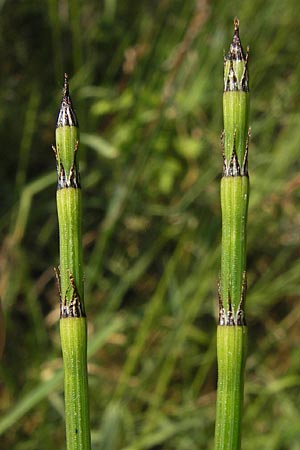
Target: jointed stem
[
  {"x": 73, "y": 327},
  {"x": 232, "y": 330}
]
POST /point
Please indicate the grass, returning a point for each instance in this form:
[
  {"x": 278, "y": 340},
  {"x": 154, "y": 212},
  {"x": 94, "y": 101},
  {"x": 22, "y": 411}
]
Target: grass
[{"x": 151, "y": 229}]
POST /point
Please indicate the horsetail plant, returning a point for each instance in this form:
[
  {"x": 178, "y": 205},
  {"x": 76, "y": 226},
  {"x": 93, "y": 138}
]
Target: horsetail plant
[
  {"x": 232, "y": 330},
  {"x": 73, "y": 326}
]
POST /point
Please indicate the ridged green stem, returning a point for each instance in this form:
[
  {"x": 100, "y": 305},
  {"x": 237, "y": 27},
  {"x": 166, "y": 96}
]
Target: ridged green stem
[
  {"x": 73, "y": 341},
  {"x": 232, "y": 330},
  {"x": 231, "y": 350},
  {"x": 73, "y": 326},
  {"x": 234, "y": 202},
  {"x": 235, "y": 113},
  {"x": 69, "y": 215}
]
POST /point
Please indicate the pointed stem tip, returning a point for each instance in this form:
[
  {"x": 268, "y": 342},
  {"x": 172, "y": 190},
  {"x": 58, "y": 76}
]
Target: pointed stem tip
[
  {"x": 236, "y": 51},
  {"x": 66, "y": 86},
  {"x": 236, "y": 26},
  {"x": 235, "y": 64},
  {"x": 66, "y": 115}
]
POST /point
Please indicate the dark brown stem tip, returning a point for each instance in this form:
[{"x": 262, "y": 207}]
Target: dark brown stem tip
[
  {"x": 66, "y": 86},
  {"x": 236, "y": 26},
  {"x": 236, "y": 52}
]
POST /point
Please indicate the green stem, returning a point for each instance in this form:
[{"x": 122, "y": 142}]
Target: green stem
[
  {"x": 232, "y": 330},
  {"x": 73, "y": 327},
  {"x": 234, "y": 202},
  {"x": 231, "y": 349},
  {"x": 73, "y": 340}
]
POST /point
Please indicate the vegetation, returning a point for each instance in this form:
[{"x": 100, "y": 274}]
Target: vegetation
[
  {"x": 147, "y": 84},
  {"x": 73, "y": 322},
  {"x": 232, "y": 327}
]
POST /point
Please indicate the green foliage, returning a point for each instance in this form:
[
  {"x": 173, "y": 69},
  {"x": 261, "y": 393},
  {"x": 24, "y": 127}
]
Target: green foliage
[{"x": 146, "y": 80}]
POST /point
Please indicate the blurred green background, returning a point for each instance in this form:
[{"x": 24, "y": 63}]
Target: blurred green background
[{"x": 146, "y": 81}]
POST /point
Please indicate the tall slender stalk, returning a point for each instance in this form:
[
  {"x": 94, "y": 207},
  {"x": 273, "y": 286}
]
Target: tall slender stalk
[
  {"x": 232, "y": 330},
  {"x": 73, "y": 327}
]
